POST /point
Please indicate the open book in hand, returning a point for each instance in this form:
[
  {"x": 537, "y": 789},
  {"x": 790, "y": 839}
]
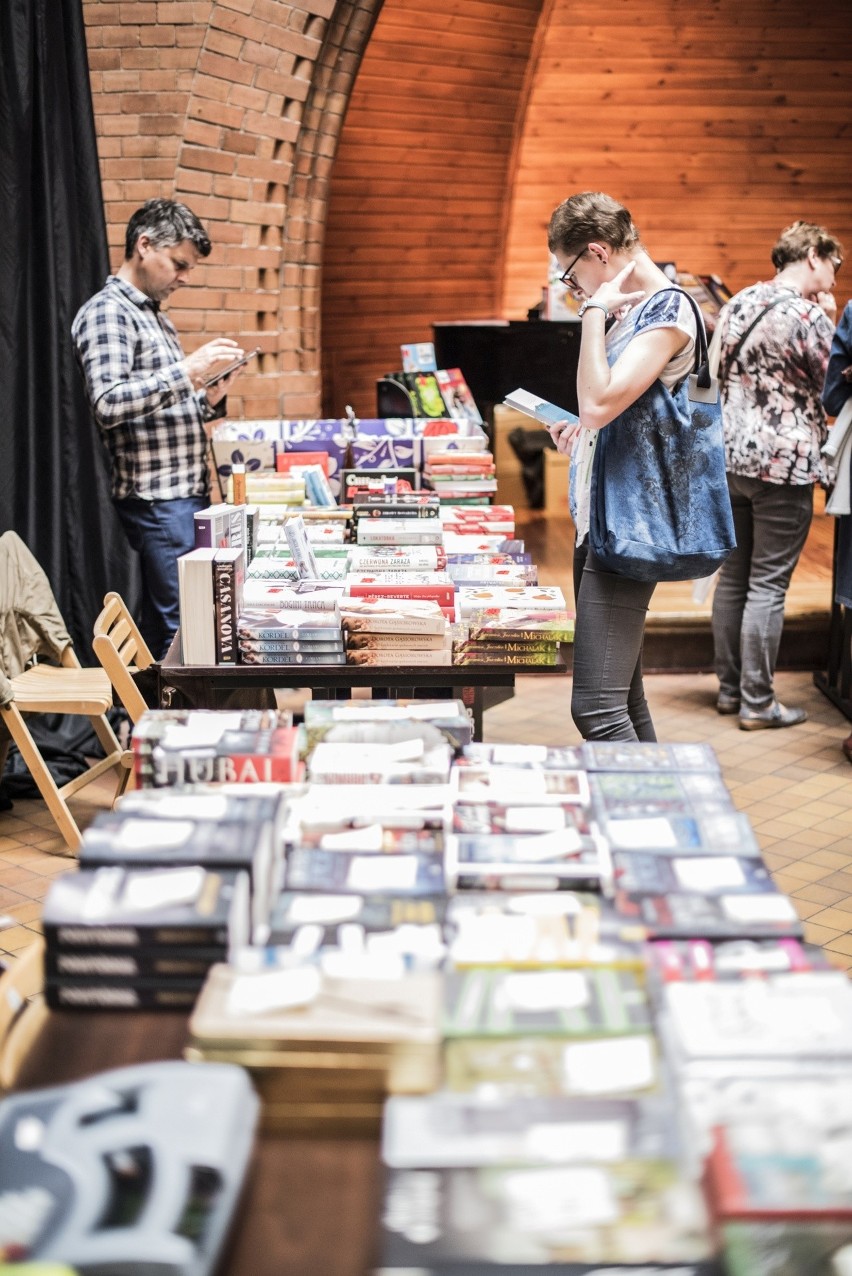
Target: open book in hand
[{"x": 543, "y": 411}]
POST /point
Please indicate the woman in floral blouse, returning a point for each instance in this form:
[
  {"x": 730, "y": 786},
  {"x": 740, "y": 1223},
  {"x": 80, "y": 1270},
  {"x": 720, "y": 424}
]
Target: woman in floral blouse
[{"x": 774, "y": 344}]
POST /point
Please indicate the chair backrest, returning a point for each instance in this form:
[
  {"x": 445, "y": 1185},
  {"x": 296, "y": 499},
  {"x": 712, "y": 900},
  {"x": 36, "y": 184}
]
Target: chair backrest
[{"x": 119, "y": 645}]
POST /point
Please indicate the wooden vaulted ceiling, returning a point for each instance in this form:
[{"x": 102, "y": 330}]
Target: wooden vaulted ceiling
[{"x": 717, "y": 122}]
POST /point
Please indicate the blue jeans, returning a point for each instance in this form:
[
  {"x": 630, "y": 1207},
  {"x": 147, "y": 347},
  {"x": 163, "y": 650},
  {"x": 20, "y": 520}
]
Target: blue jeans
[
  {"x": 160, "y": 531},
  {"x": 608, "y": 698},
  {"x": 771, "y": 521}
]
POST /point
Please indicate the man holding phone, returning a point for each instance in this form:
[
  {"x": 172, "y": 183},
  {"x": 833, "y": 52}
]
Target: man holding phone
[{"x": 151, "y": 401}]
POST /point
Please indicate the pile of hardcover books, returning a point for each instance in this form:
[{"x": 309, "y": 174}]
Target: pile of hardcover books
[
  {"x": 236, "y": 828},
  {"x": 129, "y": 939},
  {"x": 511, "y": 636},
  {"x": 271, "y": 488},
  {"x": 395, "y": 631},
  {"x": 326, "y": 1040},
  {"x": 187, "y": 746},
  {"x": 515, "y": 825},
  {"x": 466, "y": 478}
]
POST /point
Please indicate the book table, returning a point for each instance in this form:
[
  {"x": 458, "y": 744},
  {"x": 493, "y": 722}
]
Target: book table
[{"x": 211, "y": 686}]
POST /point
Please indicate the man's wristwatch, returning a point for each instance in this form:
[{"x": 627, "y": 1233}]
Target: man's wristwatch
[{"x": 592, "y": 305}]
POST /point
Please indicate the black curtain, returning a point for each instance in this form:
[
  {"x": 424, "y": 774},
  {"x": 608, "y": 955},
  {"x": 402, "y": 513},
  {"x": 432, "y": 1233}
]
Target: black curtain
[{"x": 53, "y": 256}]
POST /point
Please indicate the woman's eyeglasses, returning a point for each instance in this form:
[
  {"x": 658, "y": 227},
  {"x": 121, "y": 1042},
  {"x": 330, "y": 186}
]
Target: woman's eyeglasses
[{"x": 567, "y": 277}]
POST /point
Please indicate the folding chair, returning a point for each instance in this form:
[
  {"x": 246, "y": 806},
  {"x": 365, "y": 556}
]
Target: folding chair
[
  {"x": 22, "y": 1010},
  {"x": 122, "y": 651},
  {"x": 31, "y": 625}
]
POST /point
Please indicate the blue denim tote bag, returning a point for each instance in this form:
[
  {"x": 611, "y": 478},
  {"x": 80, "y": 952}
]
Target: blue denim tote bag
[{"x": 660, "y": 508}]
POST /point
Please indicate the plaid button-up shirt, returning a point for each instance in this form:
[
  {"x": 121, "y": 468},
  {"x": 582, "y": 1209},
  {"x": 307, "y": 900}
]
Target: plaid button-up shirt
[{"x": 150, "y": 417}]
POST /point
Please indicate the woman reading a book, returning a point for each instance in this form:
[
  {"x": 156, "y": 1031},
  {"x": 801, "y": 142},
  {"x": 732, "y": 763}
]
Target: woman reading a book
[{"x": 636, "y": 330}]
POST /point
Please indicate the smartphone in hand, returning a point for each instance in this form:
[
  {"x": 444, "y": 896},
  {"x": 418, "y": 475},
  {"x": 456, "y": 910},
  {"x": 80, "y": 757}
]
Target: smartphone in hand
[{"x": 230, "y": 367}]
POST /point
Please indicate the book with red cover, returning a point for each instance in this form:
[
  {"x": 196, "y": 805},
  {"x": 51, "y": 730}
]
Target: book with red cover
[
  {"x": 772, "y": 1181},
  {"x": 436, "y": 586},
  {"x": 284, "y": 461}
]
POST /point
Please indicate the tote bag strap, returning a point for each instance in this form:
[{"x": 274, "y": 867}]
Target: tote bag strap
[
  {"x": 732, "y": 357},
  {"x": 701, "y": 366}
]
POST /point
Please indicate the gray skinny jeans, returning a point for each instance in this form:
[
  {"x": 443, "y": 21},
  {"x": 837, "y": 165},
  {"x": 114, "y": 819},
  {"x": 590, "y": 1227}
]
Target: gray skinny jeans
[
  {"x": 608, "y": 697},
  {"x": 771, "y": 521}
]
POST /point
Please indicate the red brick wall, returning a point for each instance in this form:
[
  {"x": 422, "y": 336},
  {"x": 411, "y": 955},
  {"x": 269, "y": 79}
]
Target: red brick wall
[{"x": 235, "y": 107}]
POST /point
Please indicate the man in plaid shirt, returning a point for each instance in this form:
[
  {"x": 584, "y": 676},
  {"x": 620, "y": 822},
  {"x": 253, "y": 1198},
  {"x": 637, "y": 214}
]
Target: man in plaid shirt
[{"x": 150, "y": 401}]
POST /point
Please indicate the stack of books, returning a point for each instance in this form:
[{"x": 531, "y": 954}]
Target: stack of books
[
  {"x": 524, "y": 828},
  {"x": 509, "y": 598},
  {"x": 120, "y": 938},
  {"x": 191, "y": 746},
  {"x": 325, "y": 1041},
  {"x": 384, "y": 506},
  {"x": 406, "y": 530},
  {"x": 510, "y": 636},
  {"x": 412, "y": 586},
  {"x": 491, "y": 520},
  {"x": 466, "y": 478},
  {"x": 686, "y": 863},
  {"x": 395, "y": 631},
  {"x": 264, "y": 487},
  {"x": 235, "y": 828}
]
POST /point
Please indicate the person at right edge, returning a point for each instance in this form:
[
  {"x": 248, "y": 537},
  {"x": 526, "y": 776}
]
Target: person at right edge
[
  {"x": 774, "y": 340},
  {"x": 835, "y": 396}
]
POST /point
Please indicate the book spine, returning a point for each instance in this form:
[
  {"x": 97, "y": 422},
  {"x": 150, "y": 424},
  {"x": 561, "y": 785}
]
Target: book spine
[
  {"x": 226, "y": 609},
  {"x": 394, "y": 625},
  {"x": 443, "y": 595}
]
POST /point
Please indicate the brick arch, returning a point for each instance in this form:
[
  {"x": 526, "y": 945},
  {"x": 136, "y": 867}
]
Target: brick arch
[{"x": 234, "y": 106}]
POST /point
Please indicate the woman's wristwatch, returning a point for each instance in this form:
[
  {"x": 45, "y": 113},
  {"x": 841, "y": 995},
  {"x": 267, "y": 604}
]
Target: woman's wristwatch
[{"x": 592, "y": 305}]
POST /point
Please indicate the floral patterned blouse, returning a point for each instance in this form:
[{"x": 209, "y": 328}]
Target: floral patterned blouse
[{"x": 774, "y": 420}]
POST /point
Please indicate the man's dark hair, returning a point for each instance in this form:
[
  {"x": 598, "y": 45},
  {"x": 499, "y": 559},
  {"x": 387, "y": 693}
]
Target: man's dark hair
[{"x": 165, "y": 222}]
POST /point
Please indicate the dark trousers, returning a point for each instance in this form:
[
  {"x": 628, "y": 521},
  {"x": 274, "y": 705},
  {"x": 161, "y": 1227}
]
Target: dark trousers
[
  {"x": 771, "y": 521},
  {"x": 608, "y": 699},
  {"x": 159, "y": 532}
]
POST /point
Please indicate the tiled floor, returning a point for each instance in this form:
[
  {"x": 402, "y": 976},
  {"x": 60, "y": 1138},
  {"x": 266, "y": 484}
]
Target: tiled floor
[{"x": 795, "y": 785}]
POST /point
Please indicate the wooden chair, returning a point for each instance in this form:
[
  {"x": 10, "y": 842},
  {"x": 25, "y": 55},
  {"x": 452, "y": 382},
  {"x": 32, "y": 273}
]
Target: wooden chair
[
  {"x": 122, "y": 650},
  {"x": 31, "y": 626},
  {"x": 22, "y": 1010}
]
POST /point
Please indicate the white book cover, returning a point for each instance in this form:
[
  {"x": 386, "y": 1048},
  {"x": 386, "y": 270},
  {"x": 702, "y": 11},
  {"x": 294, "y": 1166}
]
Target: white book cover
[
  {"x": 392, "y": 616},
  {"x": 197, "y": 608},
  {"x": 420, "y": 558},
  {"x": 399, "y": 531},
  {"x": 526, "y": 598},
  {"x": 267, "y": 595}
]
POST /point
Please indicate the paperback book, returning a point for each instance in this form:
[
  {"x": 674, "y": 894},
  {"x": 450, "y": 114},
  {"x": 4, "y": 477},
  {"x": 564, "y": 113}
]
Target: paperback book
[
  {"x": 377, "y": 659},
  {"x": 380, "y": 558},
  {"x": 546, "y": 1220},
  {"x": 119, "y": 908},
  {"x": 434, "y": 586},
  {"x": 398, "y": 531},
  {"x": 364, "y": 874},
  {"x": 495, "y": 624},
  {"x": 397, "y": 616},
  {"x": 290, "y": 626},
  {"x": 444, "y": 1130},
  {"x": 561, "y": 928},
  {"x": 631, "y": 755},
  {"x": 694, "y": 915}
]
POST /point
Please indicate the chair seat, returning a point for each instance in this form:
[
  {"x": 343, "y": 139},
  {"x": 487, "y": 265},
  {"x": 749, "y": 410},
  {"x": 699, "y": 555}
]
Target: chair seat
[{"x": 52, "y": 689}]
